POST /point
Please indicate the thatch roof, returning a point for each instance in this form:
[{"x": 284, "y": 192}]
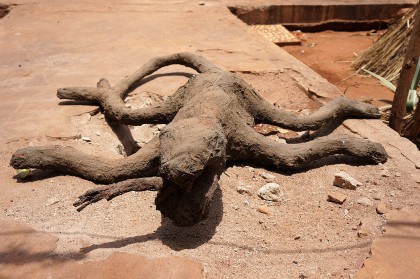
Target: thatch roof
[{"x": 386, "y": 56}]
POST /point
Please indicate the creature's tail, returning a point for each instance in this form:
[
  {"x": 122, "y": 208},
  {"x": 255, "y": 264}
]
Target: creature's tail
[{"x": 198, "y": 63}]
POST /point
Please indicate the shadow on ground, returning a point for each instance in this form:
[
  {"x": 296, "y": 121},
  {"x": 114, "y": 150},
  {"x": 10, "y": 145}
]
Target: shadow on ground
[{"x": 176, "y": 238}]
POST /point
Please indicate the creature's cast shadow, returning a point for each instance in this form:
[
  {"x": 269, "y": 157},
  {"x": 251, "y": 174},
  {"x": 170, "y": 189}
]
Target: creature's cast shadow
[{"x": 176, "y": 238}]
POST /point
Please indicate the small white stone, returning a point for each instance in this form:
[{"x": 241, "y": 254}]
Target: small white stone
[
  {"x": 270, "y": 192},
  {"x": 98, "y": 134},
  {"x": 365, "y": 201},
  {"x": 242, "y": 189},
  {"x": 385, "y": 173},
  {"x": 87, "y": 139}
]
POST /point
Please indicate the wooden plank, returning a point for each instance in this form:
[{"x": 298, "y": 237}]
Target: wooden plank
[{"x": 406, "y": 76}]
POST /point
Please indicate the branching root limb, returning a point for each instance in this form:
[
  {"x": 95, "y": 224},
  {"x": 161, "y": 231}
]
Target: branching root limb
[
  {"x": 209, "y": 121},
  {"x": 111, "y": 191}
]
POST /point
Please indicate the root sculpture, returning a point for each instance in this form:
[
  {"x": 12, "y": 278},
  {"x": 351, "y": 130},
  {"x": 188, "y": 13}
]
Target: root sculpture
[{"x": 209, "y": 121}]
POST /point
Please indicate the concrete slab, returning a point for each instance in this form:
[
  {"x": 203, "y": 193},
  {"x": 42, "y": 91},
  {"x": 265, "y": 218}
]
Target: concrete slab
[
  {"x": 26, "y": 253},
  {"x": 396, "y": 254},
  {"x": 77, "y": 43}
]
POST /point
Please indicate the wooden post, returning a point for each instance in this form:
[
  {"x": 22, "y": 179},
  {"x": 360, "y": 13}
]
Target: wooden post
[
  {"x": 412, "y": 131},
  {"x": 406, "y": 76}
]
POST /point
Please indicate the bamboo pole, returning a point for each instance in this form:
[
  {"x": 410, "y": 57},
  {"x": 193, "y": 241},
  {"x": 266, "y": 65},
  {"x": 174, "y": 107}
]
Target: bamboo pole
[{"x": 398, "y": 109}]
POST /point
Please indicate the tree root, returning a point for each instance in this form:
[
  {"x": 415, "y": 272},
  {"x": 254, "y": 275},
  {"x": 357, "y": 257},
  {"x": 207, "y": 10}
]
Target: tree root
[
  {"x": 111, "y": 191},
  {"x": 69, "y": 160},
  {"x": 249, "y": 146},
  {"x": 209, "y": 122},
  {"x": 339, "y": 108}
]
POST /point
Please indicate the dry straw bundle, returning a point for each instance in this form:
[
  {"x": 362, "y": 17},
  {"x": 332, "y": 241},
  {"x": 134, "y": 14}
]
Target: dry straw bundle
[{"x": 386, "y": 56}]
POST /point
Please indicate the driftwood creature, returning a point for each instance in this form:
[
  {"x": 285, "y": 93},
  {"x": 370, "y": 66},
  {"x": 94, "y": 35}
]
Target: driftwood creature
[{"x": 209, "y": 121}]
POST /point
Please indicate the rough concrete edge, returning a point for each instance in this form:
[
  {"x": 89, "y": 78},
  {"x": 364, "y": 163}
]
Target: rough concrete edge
[
  {"x": 364, "y": 271},
  {"x": 376, "y": 130}
]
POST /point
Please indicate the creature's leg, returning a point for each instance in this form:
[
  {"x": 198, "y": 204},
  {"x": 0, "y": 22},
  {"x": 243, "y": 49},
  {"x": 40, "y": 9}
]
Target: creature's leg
[
  {"x": 246, "y": 144},
  {"x": 67, "y": 159},
  {"x": 111, "y": 99},
  {"x": 123, "y": 133},
  {"x": 182, "y": 207},
  {"x": 114, "y": 107},
  {"x": 111, "y": 191},
  {"x": 340, "y": 108}
]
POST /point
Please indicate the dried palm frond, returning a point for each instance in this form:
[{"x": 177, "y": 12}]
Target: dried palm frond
[{"x": 386, "y": 56}]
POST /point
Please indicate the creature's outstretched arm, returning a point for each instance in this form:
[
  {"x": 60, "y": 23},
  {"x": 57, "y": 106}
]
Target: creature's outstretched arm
[
  {"x": 111, "y": 98},
  {"x": 111, "y": 191},
  {"x": 69, "y": 160},
  {"x": 339, "y": 108},
  {"x": 248, "y": 145}
]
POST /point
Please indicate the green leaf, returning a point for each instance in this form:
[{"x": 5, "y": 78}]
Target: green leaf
[{"x": 384, "y": 81}]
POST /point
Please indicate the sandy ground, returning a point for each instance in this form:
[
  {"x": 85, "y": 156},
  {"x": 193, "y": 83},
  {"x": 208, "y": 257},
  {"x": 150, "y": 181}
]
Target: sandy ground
[{"x": 303, "y": 235}]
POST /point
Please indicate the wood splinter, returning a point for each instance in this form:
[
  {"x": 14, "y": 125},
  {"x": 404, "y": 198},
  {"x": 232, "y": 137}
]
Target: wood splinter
[{"x": 209, "y": 121}]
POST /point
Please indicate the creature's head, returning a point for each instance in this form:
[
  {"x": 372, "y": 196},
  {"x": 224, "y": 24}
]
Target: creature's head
[
  {"x": 188, "y": 208},
  {"x": 193, "y": 155}
]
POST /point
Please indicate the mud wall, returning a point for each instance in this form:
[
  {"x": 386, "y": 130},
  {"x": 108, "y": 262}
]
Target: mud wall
[{"x": 362, "y": 16}]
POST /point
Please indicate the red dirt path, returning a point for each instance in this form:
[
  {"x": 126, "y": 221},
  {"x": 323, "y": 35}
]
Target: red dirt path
[{"x": 330, "y": 54}]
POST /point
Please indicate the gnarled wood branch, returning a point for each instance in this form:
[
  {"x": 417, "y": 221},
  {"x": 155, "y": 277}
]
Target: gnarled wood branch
[
  {"x": 111, "y": 191},
  {"x": 209, "y": 122}
]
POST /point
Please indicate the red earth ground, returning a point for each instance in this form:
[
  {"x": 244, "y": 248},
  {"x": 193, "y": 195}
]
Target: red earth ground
[{"x": 330, "y": 54}]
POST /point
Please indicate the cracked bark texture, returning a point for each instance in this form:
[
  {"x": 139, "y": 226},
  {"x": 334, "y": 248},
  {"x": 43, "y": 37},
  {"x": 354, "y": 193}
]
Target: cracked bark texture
[{"x": 209, "y": 121}]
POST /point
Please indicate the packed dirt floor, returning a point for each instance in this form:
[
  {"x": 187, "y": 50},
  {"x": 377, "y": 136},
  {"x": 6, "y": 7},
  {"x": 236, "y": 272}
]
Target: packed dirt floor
[
  {"x": 302, "y": 236},
  {"x": 331, "y": 53}
]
